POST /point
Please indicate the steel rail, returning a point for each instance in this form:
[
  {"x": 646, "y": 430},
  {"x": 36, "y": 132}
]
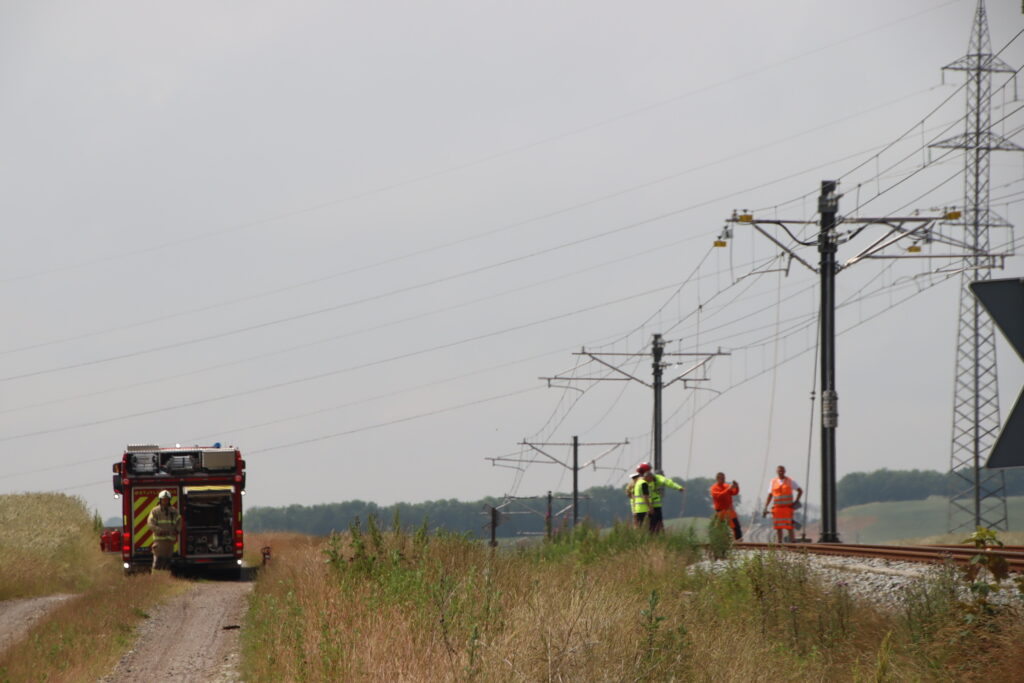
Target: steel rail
[{"x": 958, "y": 554}]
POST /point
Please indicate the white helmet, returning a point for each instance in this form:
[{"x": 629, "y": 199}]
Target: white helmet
[{"x": 165, "y": 494}]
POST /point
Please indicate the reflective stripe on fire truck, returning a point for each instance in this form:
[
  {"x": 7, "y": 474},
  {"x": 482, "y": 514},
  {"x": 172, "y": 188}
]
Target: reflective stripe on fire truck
[{"x": 143, "y": 502}]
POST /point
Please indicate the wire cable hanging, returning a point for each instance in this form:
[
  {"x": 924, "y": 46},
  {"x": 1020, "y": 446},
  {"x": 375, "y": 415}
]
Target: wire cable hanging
[
  {"x": 771, "y": 400},
  {"x": 810, "y": 428}
]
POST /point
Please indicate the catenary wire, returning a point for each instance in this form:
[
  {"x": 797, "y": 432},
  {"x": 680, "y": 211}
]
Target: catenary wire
[
  {"x": 397, "y": 259},
  {"x": 485, "y": 159},
  {"x": 912, "y": 128},
  {"x": 324, "y": 340},
  {"x": 377, "y": 297},
  {"x": 943, "y": 278},
  {"x": 338, "y": 371}
]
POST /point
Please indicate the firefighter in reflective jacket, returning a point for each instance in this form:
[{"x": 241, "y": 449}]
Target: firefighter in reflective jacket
[
  {"x": 642, "y": 491},
  {"x": 721, "y": 500},
  {"x": 780, "y": 496},
  {"x": 165, "y": 523}
]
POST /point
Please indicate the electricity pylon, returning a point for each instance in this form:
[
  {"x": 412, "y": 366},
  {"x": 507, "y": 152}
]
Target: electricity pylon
[{"x": 977, "y": 497}]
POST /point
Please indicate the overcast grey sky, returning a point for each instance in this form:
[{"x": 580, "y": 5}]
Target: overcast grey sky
[{"x": 349, "y": 237}]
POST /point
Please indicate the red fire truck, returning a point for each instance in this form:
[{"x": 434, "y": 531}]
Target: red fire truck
[{"x": 206, "y": 485}]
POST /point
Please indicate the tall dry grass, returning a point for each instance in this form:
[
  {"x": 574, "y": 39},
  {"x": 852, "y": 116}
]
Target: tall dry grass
[
  {"x": 83, "y": 638},
  {"x": 370, "y": 605},
  {"x": 49, "y": 543}
]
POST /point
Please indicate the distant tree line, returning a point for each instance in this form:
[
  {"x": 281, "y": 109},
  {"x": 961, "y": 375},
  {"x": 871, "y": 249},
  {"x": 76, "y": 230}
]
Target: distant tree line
[
  {"x": 602, "y": 505},
  {"x": 858, "y": 488}
]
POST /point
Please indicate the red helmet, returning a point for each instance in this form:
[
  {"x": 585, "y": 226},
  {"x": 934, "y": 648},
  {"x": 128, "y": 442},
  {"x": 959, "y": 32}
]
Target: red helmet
[{"x": 643, "y": 467}]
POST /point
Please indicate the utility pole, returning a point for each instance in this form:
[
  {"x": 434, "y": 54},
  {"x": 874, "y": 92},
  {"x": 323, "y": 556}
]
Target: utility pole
[
  {"x": 658, "y": 365},
  {"x": 828, "y": 205},
  {"x": 575, "y": 467},
  {"x": 912, "y": 229},
  {"x": 575, "y": 480},
  {"x": 977, "y": 496},
  {"x": 657, "y": 351},
  {"x": 497, "y": 513},
  {"x": 493, "y": 520},
  {"x": 547, "y": 519}
]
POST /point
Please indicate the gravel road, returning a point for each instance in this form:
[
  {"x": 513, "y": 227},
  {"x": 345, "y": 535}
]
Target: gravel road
[
  {"x": 17, "y": 616},
  {"x": 194, "y": 637}
]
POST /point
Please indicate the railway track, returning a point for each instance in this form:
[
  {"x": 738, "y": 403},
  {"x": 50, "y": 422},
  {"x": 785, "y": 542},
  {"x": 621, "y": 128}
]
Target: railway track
[{"x": 958, "y": 554}]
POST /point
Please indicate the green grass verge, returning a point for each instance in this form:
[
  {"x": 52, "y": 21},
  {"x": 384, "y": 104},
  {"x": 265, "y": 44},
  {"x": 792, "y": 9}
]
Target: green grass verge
[{"x": 911, "y": 519}]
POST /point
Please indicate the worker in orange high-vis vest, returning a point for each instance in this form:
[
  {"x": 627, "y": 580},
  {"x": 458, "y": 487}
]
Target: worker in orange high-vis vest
[
  {"x": 782, "y": 501},
  {"x": 721, "y": 500}
]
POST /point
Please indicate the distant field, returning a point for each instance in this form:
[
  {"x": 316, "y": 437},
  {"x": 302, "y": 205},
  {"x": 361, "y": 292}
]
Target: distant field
[{"x": 923, "y": 520}]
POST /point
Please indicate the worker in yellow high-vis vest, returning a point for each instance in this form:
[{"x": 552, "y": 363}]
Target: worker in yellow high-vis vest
[
  {"x": 642, "y": 492},
  {"x": 630, "y": 485},
  {"x": 661, "y": 482}
]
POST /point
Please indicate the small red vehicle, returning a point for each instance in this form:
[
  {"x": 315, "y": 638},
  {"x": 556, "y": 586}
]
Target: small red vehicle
[{"x": 110, "y": 540}]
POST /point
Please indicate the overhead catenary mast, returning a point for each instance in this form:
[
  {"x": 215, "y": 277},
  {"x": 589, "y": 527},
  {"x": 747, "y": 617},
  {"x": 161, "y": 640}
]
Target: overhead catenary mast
[
  {"x": 658, "y": 354},
  {"x": 575, "y": 467},
  {"x": 977, "y": 497},
  {"x": 913, "y": 229}
]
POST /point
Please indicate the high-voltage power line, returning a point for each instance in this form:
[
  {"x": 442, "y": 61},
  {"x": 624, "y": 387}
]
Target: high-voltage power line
[{"x": 977, "y": 496}]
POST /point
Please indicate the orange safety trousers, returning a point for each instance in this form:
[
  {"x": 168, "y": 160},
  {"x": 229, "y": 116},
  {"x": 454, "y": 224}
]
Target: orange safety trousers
[
  {"x": 782, "y": 516},
  {"x": 727, "y": 516},
  {"x": 782, "y": 508}
]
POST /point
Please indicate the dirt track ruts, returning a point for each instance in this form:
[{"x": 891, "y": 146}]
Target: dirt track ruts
[{"x": 193, "y": 637}]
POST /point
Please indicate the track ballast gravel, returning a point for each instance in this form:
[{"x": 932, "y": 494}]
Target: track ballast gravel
[{"x": 878, "y": 581}]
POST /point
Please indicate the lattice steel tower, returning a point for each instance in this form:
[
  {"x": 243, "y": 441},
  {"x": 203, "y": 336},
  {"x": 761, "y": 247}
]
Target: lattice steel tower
[{"x": 977, "y": 496}]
